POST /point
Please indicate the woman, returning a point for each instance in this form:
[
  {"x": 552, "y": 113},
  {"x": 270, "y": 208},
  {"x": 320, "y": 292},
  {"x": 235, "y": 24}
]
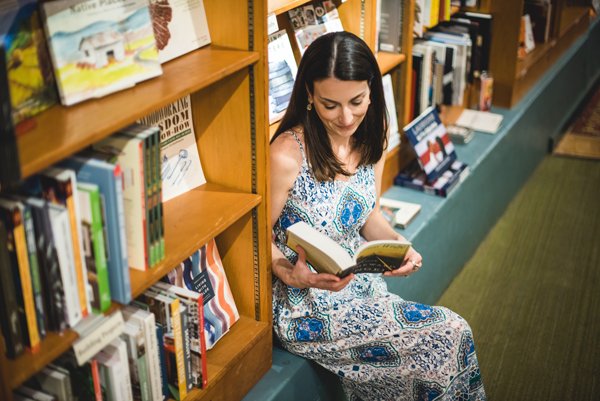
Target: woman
[{"x": 326, "y": 166}]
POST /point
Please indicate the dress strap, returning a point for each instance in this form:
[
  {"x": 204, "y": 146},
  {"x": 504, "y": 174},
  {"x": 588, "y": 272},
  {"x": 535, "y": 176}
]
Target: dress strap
[{"x": 295, "y": 135}]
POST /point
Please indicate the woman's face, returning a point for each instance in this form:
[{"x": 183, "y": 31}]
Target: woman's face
[{"x": 341, "y": 105}]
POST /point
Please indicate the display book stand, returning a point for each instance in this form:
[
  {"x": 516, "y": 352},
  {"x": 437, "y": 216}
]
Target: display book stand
[
  {"x": 435, "y": 169},
  {"x": 226, "y": 81}
]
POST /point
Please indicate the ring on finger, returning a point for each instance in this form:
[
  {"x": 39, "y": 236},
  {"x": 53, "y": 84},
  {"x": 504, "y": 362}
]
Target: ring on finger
[{"x": 416, "y": 264}]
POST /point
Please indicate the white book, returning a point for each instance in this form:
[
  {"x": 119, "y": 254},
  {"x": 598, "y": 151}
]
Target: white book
[
  {"x": 399, "y": 213},
  {"x": 110, "y": 369},
  {"x": 55, "y": 382},
  {"x": 59, "y": 217},
  {"x": 129, "y": 152},
  {"x": 180, "y": 26},
  {"x": 135, "y": 340},
  {"x": 148, "y": 323},
  {"x": 119, "y": 373},
  {"x": 95, "y": 336},
  {"x": 390, "y": 103}
]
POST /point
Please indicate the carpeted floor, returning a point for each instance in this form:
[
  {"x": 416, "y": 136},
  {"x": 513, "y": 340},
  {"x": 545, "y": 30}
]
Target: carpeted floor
[
  {"x": 582, "y": 139},
  {"x": 531, "y": 292}
]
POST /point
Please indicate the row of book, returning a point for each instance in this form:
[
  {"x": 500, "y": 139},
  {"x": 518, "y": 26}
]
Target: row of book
[
  {"x": 75, "y": 50},
  {"x": 152, "y": 349},
  {"x": 449, "y": 60},
  {"x": 71, "y": 233}
]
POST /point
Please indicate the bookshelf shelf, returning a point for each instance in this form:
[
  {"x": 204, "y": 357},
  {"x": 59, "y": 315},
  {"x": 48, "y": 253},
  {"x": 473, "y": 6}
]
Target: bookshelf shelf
[
  {"x": 62, "y": 130},
  {"x": 388, "y": 61},
  {"x": 191, "y": 220}
]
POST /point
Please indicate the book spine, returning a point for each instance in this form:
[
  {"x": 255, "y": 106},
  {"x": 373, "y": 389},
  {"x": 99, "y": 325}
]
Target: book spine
[
  {"x": 163, "y": 360},
  {"x": 80, "y": 267},
  {"x": 158, "y": 193},
  {"x": 96, "y": 380},
  {"x": 153, "y": 356},
  {"x": 33, "y": 338},
  {"x": 187, "y": 353},
  {"x": 34, "y": 271},
  {"x": 9, "y": 315},
  {"x": 201, "y": 336},
  {"x": 90, "y": 344},
  {"x": 179, "y": 350},
  {"x": 102, "y": 279}
]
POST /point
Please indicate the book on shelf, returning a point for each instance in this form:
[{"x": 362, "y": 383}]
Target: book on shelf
[
  {"x": 85, "y": 378},
  {"x": 390, "y": 104},
  {"x": 53, "y": 380},
  {"x": 94, "y": 249},
  {"x": 326, "y": 256},
  {"x": 398, "y": 213},
  {"x": 390, "y": 15},
  {"x": 179, "y": 27},
  {"x": 95, "y": 333},
  {"x": 481, "y": 121},
  {"x": 428, "y": 137},
  {"x": 133, "y": 335},
  {"x": 114, "y": 370},
  {"x": 414, "y": 177},
  {"x": 53, "y": 291},
  {"x": 28, "y": 66},
  {"x": 540, "y": 12},
  {"x": 109, "y": 179},
  {"x": 460, "y": 135},
  {"x": 12, "y": 214},
  {"x": 99, "y": 47},
  {"x": 181, "y": 169},
  {"x": 26, "y": 393},
  {"x": 9, "y": 308},
  {"x": 484, "y": 23},
  {"x": 203, "y": 272},
  {"x": 59, "y": 186},
  {"x": 10, "y": 168},
  {"x": 131, "y": 153},
  {"x": 282, "y": 73},
  {"x": 313, "y": 19},
  {"x": 418, "y": 25},
  {"x": 526, "y": 40}
]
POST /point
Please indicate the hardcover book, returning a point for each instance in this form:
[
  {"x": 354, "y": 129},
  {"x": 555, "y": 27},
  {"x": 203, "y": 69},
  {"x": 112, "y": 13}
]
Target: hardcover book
[
  {"x": 29, "y": 69},
  {"x": 203, "y": 272},
  {"x": 431, "y": 142},
  {"x": 99, "y": 47},
  {"x": 326, "y": 256},
  {"x": 180, "y": 26}
]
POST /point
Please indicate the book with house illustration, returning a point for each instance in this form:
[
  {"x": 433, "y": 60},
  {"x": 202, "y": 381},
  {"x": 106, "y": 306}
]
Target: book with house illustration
[{"x": 99, "y": 47}]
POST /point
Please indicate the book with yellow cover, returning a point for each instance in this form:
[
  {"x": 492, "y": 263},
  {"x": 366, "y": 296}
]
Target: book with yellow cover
[{"x": 326, "y": 256}]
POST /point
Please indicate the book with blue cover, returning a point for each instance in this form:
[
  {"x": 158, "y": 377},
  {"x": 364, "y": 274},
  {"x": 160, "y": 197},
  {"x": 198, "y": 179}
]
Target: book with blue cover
[
  {"x": 109, "y": 179},
  {"x": 430, "y": 140}
]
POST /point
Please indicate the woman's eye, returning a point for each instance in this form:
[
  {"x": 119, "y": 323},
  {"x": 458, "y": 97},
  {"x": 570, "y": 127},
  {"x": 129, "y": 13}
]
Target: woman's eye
[{"x": 329, "y": 107}]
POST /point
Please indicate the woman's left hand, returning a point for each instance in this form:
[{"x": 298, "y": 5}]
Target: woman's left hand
[{"x": 411, "y": 264}]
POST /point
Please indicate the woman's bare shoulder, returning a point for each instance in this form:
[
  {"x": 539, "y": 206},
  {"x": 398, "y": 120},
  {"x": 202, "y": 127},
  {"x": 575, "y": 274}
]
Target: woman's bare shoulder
[{"x": 285, "y": 150}]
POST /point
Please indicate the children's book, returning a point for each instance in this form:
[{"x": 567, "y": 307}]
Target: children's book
[
  {"x": 431, "y": 142},
  {"x": 180, "y": 26},
  {"x": 326, "y": 256},
  {"x": 99, "y": 47},
  {"x": 29, "y": 69}
]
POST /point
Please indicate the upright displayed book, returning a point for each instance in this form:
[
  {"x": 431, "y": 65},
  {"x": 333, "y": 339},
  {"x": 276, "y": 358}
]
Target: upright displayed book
[
  {"x": 181, "y": 170},
  {"x": 99, "y": 47},
  {"x": 180, "y": 26},
  {"x": 327, "y": 256},
  {"x": 203, "y": 272},
  {"x": 431, "y": 142},
  {"x": 282, "y": 74},
  {"x": 312, "y": 20},
  {"x": 29, "y": 69}
]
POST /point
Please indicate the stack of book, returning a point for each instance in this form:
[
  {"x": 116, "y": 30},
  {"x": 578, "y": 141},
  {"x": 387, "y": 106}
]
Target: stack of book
[{"x": 436, "y": 169}]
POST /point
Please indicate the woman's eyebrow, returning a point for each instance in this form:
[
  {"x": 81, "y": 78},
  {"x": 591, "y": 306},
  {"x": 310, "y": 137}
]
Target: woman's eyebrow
[{"x": 362, "y": 94}]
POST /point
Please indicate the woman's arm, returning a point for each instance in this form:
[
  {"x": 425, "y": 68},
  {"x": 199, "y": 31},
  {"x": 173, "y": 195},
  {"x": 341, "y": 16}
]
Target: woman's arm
[
  {"x": 285, "y": 161},
  {"x": 378, "y": 228}
]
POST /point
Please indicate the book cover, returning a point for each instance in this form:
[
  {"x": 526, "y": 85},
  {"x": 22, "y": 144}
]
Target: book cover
[
  {"x": 94, "y": 249},
  {"x": 53, "y": 291},
  {"x": 29, "y": 70},
  {"x": 413, "y": 177},
  {"x": 109, "y": 179},
  {"x": 180, "y": 26},
  {"x": 312, "y": 20},
  {"x": 181, "y": 169},
  {"x": 431, "y": 142},
  {"x": 390, "y": 104},
  {"x": 282, "y": 74},
  {"x": 99, "y": 47},
  {"x": 326, "y": 256},
  {"x": 398, "y": 213},
  {"x": 203, "y": 272},
  {"x": 59, "y": 186},
  {"x": 129, "y": 153},
  {"x": 9, "y": 313},
  {"x": 13, "y": 216}
]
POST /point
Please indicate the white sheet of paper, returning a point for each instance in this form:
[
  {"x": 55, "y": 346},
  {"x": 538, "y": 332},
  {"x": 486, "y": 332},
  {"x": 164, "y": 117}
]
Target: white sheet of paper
[{"x": 482, "y": 121}]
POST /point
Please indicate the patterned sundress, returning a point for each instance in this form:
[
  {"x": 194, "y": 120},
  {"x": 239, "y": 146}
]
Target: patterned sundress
[{"x": 380, "y": 346}]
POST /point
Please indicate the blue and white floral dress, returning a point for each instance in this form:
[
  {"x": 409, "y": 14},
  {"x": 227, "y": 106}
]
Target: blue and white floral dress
[{"x": 380, "y": 346}]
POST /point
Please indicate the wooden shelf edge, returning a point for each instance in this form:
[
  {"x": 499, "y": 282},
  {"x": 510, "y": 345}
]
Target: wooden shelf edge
[
  {"x": 278, "y": 7},
  {"x": 389, "y": 61},
  {"x": 64, "y": 130},
  {"x": 187, "y": 229}
]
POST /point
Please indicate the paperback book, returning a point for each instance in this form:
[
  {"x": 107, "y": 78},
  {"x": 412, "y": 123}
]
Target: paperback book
[
  {"x": 99, "y": 47},
  {"x": 398, "y": 213},
  {"x": 326, "y": 256},
  {"x": 413, "y": 177}
]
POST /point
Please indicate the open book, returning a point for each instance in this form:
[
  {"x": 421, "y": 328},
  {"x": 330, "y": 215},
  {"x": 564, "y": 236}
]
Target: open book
[{"x": 328, "y": 257}]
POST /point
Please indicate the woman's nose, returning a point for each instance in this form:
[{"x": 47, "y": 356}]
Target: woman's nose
[{"x": 346, "y": 116}]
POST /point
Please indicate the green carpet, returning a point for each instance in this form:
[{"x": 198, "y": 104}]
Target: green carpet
[{"x": 531, "y": 292}]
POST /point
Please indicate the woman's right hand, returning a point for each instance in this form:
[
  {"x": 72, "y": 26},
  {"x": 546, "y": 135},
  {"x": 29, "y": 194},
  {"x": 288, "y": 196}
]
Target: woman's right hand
[{"x": 301, "y": 276}]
